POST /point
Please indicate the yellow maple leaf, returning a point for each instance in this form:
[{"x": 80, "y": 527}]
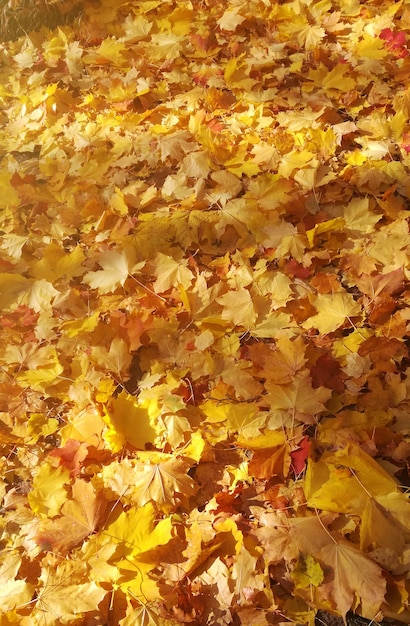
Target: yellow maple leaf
[
  {"x": 298, "y": 399},
  {"x": 138, "y": 531},
  {"x": 270, "y": 191},
  {"x": 128, "y": 422},
  {"x": 238, "y": 307},
  {"x": 236, "y": 73},
  {"x": 370, "y": 47},
  {"x": 279, "y": 365},
  {"x": 335, "y": 79},
  {"x": 117, "y": 359},
  {"x": 136, "y": 28},
  {"x": 359, "y": 215},
  {"x": 13, "y": 289},
  {"x": 277, "y": 285},
  {"x": 310, "y": 36},
  {"x": 164, "y": 45},
  {"x": 239, "y": 164},
  {"x": 296, "y": 160},
  {"x": 158, "y": 478},
  {"x": 230, "y": 19},
  {"x": 272, "y": 325},
  {"x": 109, "y": 51},
  {"x": 166, "y": 482},
  {"x": 332, "y": 311},
  {"x": 60, "y": 599},
  {"x": 43, "y": 373},
  {"x": 170, "y": 273},
  {"x": 14, "y": 592},
  {"x": 49, "y": 490},
  {"x": 349, "y": 481},
  {"x": 73, "y": 328},
  {"x": 335, "y": 224},
  {"x": 244, "y": 419},
  {"x": 116, "y": 268},
  {"x": 56, "y": 263},
  {"x": 307, "y": 572},
  {"x": 80, "y": 516},
  {"x": 117, "y": 202},
  {"x": 13, "y": 244}
]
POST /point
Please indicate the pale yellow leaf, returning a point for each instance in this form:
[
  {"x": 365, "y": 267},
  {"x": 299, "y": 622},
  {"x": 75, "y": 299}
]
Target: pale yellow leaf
[{"x": 332, "y": 311}]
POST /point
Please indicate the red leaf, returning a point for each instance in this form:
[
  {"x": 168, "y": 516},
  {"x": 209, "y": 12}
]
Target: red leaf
[
  {"x": 71, "y": 455},
  {"x": 396, "y": 42},
  {"x": 300, "y": 455}
]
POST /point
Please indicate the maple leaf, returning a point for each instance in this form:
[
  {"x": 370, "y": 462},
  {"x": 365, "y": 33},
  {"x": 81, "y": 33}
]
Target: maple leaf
[
  {"x": 342, "y": 472},
  {"x": 128, "y": 423},
  {"x": 238, "y": 307},
  {"x": 299, "y": 399},
  {"x": 177, "y": 428},
  {"x": 56, "y": 263},
  {"x": 396, "y": 42},
  {"x": 163, "y": 480},
  {"x": 14, "y": 591},
  {"x": 335, "y": 79},
  {"x": 327, "y": 373},
  {"x": 376, "y": 498},
  {"x": 14, "y": 244},
  {"x": 80, "y": 517},
  {"x": 144, "y": 613},
  {"x": 248, "y": 581},
  {"x": 332, "y": 311},
  {"x": 274, "y": 535},
  {"x": 116, "y": 268},
  {"x": 42, "y": 372},
  {"x": 335, "y": 224},
  {"x": 49, "y": 490},
  {"x": 307, "y": 572},
  {"x": 71, "y": 455},
  {"x": 244, "y": 419},
  {"x": 230, "y": 19},
  {"x": 10, "y": 197},
  {"x": 59, "y": 598},
  {"x": 356, "y": 578},
  {"x": 270, "y": 462},
  {"x": 280, "y": 365},
  {"x": 117, "y": 359},
  {"x": 13, "y": 288},
  {"x": 300, "y": 456},
  {"x": 138, "y": 533},
  {"x": 84, "y": 424},
  {"x": 170, "y": 272}
]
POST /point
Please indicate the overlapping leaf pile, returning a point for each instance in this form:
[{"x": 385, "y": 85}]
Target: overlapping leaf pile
[{"x": 204, "y": 257}]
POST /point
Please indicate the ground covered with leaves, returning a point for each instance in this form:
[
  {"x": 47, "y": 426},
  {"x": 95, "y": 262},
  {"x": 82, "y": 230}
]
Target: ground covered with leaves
[{"x": 204, "y": 387}]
